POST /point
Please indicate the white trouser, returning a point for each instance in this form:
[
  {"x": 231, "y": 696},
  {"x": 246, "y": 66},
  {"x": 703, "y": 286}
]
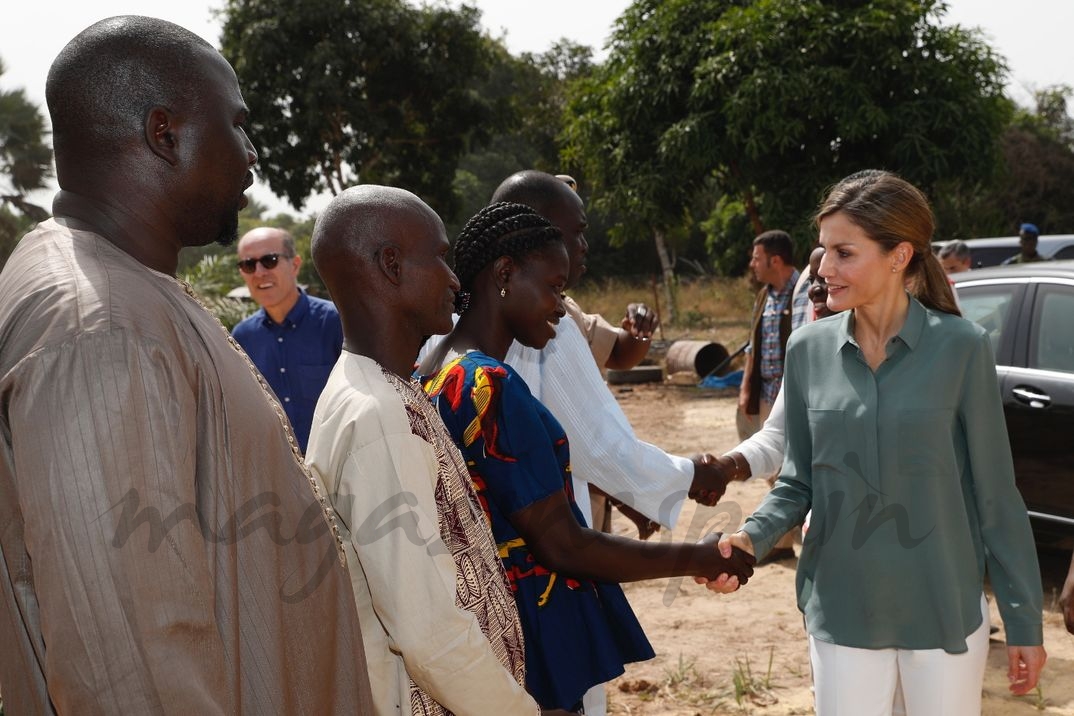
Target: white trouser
[
  {"x": 595, "y": 701},
  {"x": 862, "y": 682}
]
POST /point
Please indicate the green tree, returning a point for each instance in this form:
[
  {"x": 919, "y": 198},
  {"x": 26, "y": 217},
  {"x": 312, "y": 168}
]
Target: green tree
[
  {"x": 529, "y": 94},
  {"x": 349, "y": 91},
  {"x": 777, "y": 99},
  {"x": 25, "y": 165},
  {"x": 616, "y": 119},
  {"x": 1035, "y": 182}
]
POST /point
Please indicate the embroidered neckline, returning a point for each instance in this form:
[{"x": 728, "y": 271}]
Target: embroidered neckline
[{"x": 326, "y": 509}]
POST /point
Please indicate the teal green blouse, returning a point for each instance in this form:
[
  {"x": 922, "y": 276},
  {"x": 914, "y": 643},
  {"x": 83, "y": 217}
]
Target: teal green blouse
[{"x": 909, "y": 475}]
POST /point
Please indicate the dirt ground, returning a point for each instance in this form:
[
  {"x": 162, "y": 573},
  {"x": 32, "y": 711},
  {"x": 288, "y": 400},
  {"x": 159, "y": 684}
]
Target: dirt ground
[{"x": 746, "y": 653}]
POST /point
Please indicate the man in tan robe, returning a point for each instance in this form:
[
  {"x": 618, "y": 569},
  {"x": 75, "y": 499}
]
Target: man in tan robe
[
  {"x": 441, "y": 628},
  {"x": 163, "y": 548}
]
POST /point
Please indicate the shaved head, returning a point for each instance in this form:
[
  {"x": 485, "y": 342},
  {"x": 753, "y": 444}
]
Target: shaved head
[
  {"x": 554, "y": 199},
  {"x": 358, "y": 223},
  {"x": 104, "y": 81},
  {"x": 381, "y": 251},
  {"x": 540, "y": 191}
]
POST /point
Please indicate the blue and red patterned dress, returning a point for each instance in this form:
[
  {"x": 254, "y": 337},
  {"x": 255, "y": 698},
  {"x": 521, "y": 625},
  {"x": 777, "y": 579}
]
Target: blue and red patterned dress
[{"x": 578, "y": 633}]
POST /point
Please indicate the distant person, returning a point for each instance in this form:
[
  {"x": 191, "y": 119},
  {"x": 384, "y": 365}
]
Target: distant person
[
  {"x": 816, "y": 292},
  {"x": 761, "y": 454},
  {"x": 568, "y": 180},
  {"x": 906, "y": 464},
  {"x": 955, "y": 257},
  {"x": 295, "y": 339},
  {"x": 1027, "y": 238},
  {"x": 772, "y": 265},
  {"x": 440, "y": 625},
  {"x": 774, "y": 309},
  {"x": 164, "y": 548},
  {"x": 580, "y": 630}
]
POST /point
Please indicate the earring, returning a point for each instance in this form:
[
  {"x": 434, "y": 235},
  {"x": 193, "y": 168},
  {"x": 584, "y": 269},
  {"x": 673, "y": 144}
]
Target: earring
[{"x": 503, "y": 292}]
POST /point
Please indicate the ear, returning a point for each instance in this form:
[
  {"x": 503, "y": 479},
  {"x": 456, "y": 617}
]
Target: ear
[
  {"x": 296, "y": 263},
  {"x": 502, "y": 268},
  {"x": 901, "y": 255},
  {"x": 389, "y": 260},
  {"x": 161, "y": 135}
]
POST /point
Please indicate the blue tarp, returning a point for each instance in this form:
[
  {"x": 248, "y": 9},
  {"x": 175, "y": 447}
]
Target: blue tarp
[{"x": 731, "y": 380}]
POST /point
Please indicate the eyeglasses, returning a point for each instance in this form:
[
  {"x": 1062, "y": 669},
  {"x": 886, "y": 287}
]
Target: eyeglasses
[{"x": 269, "y": 261}]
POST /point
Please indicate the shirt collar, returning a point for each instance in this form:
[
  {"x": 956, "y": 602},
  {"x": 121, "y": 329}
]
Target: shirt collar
[
  {"x": 909, "y": 334},
  {"x": 295, "y": 315},
  {"x": 786, "y": 288}
]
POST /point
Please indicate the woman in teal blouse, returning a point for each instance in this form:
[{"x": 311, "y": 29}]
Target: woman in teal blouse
[{"x": 897, "y": 442}]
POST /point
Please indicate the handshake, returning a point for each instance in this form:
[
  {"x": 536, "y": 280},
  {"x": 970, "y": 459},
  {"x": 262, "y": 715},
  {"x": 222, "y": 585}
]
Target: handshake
[
  {"x": 715, "y": 568},
  {"x": 711, "y": 475}
]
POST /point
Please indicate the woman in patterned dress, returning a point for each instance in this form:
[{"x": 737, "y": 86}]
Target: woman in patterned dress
[{"x": 579, "y": 628}]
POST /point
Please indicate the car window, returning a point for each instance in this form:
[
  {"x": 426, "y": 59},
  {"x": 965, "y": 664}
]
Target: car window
[
  {"x": 1067, "y": 252},
  {"x": 991, "y": 255},
  {"x": 988, "y": 306},
  {"x": 1053, "y": 333}
]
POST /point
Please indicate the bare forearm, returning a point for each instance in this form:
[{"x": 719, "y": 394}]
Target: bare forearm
[
  {"x": 588, "y": 554},
  {"x": 628, "y": 351},
  {"x": 561, "y": 544}
]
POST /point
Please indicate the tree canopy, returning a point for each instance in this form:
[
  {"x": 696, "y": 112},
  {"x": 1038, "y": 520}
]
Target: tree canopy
[
  {"x": 25, "y": 165},
  {"x": 342, "y": 91},
  {"x": 768, "y": 102},
  {"x": 1037, "y": 180}
]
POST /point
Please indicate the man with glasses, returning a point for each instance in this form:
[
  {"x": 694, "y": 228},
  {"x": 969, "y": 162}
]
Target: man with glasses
[{"x": 295, "y": 339}]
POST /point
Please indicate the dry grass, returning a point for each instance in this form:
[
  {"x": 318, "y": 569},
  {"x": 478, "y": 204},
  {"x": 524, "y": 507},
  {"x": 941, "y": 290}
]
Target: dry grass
[{"x": 713, "y": 309}]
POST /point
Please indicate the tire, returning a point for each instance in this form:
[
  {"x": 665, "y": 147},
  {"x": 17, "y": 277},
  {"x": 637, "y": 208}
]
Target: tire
[{"x": 640, "y": 374}]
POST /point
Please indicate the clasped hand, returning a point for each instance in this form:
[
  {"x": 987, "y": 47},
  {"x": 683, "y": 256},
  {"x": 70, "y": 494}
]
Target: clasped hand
[
  {"x": 732, "y": 565},
  {"x": 729, "y": 546},
  {"x": 711, "y": 475}
]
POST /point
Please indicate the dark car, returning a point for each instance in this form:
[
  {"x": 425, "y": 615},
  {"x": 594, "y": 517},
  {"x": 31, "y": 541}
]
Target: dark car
[
  {"x": 994, "y": 251},
  {"x": 1028, "y": 311}
]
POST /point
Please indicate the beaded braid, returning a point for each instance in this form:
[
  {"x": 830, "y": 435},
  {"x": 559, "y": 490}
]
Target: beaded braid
[{"x": 502, "y": 229}]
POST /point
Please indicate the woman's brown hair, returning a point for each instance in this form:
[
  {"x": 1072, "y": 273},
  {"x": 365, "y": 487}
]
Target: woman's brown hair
[{"x": 891, "y": 210}]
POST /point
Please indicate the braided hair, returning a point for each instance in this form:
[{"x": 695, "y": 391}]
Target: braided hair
[{"x": 501, "y": 229}]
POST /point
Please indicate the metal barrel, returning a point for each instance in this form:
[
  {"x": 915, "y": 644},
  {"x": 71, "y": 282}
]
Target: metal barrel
[{"x": 697, "y": 356}]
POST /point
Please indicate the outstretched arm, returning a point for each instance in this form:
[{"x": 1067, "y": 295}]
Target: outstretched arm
[
  {"x": 605, "y": 451},
  {"x": 561, "y": 544}
]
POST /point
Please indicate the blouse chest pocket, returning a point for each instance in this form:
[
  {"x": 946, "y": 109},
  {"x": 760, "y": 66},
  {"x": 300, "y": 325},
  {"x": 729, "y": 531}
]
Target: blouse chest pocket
[{"x": 828, "y": 438}]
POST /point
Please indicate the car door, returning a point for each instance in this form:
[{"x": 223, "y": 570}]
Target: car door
[{"x": 1038, "y": 399}]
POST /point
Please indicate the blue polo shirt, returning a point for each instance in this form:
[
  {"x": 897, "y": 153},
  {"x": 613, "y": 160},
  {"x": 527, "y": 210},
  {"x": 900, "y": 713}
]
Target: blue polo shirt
[{"x": 296, "y": 356}]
